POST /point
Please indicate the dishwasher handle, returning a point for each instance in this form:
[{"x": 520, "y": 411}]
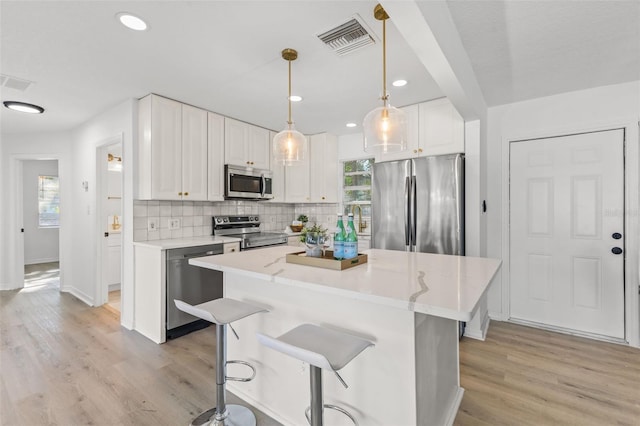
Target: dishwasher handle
[{"x": 201, "y": 254}]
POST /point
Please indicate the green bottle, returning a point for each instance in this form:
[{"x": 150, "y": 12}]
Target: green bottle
[
  {"x": 338, "y": 239},
  {"x": 351, "y": 241}
]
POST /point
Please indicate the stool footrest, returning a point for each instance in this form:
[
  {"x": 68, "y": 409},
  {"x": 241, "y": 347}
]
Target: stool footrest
[
  {"x": 307, "y": 413},
  {"x": 242, "y": 379}
]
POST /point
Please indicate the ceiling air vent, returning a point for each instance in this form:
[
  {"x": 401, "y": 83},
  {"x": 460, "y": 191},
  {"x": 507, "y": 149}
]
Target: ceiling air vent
[
  {"x": 347, "y": 37},
  {"x": 14, "y": 83}
]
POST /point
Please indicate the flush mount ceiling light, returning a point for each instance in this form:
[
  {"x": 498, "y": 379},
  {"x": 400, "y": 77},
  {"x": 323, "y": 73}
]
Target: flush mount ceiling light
[
  {"x": 131, "y": 21},
  {"x": 289, "y": 146},
  {"x": 351, "y": 124},
  {"x": 399, "y": 83},
  {"x": 295, "y": 98},
  {"x": 24, "y": 107},
  {"x": 385, "y": 128}
]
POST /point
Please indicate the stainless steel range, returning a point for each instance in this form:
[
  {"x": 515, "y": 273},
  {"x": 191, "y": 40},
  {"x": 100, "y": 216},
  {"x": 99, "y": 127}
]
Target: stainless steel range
[{"x": 247, "y": 228}]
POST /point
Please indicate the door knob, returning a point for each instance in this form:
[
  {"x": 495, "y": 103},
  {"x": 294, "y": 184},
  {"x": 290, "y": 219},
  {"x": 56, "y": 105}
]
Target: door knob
[
  {"x": 616, "y": 250},
  {"x": 616, "y": 235}
]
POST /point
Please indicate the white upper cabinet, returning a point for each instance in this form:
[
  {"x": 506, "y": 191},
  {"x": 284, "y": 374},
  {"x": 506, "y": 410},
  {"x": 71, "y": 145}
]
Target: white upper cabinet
[
  {"x": 323, "y": 168},
  {"x": 215, "y": 157},
  {"x": 278, "y": 170},
  {"x": 433, "y": 128},
  {"x": 246, "y": 144},
  {"x": 172, "y": 143},
  {"x": 194, "y": 153},
  {"x": 441, "y": 128}
]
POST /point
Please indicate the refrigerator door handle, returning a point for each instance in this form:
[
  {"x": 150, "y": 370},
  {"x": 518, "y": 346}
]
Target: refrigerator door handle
[
  {"x": 407, "y": 212},
  {"x": 414, "y": 212}
]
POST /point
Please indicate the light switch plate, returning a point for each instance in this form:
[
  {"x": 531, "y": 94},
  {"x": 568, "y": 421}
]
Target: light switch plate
[{"x": 174, "y": 223}]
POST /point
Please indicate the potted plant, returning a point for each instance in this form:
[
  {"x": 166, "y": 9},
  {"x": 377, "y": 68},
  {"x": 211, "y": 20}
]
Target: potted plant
[
  {"x": 303, "y": 218},
  {"x": 315, "y": 238}
]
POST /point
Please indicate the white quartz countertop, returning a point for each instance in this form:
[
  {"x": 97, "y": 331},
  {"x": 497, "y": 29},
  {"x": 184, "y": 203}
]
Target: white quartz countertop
[
  {"x": 186, "y": 242},
  {"x": 434, "y": 284}
]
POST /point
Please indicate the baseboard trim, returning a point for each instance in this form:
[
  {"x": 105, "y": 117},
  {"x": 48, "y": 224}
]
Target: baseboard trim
[
  {"x": 481, "y": 333},
  {"x": 78, "y": 294},
  {"x": 569, "y": 332},
  {"x": 455, "y": 406},
  {"x": 45, "y": 260},
  {"x": 269, "y": 412}
]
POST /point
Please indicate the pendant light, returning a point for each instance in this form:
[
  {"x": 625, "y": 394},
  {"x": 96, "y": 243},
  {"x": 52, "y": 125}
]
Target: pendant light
[
  {"x": 385, "y": 128},
  {"x": 289, "y": 146}
]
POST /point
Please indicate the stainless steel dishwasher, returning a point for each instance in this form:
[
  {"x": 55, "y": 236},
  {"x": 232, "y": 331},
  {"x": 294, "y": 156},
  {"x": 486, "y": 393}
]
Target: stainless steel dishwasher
[{"x": 190, "y": 284}]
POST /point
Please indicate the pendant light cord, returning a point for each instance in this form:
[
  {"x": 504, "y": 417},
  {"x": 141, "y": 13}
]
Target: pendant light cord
[
  {"x": 289, "y": 98},
  {"x": 385, "y": 97}
]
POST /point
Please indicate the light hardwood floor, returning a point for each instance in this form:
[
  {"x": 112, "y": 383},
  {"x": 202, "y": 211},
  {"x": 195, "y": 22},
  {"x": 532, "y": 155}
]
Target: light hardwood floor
[{"x": 64, "y": 363}]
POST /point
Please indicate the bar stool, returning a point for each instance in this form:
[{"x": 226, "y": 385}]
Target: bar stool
[
  {"x": 223, "y": 312},
  {"x": 321, "y": 348}
]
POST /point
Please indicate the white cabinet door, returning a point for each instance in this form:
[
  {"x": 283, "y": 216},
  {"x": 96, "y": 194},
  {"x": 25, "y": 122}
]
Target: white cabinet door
[
  {"x": 231, "y": 247},
  {"x": 278, "y": 170},
  {"x": 194, "y": 153},
  {"x": 258, "y": 149},
  {"x": 166, "y": 148},
  {"x": 215, "y": 154},
  {"x": 413, "y": 137},
  {"x": 441, "y": 128},
  {"x": 323, "y": 168},
  {"x": 297, "y": 181},
  {"x": 235, "y": 142}
]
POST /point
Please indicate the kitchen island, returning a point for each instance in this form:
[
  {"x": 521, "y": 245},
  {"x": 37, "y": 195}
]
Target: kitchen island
[{"x": 408, "y": 304}]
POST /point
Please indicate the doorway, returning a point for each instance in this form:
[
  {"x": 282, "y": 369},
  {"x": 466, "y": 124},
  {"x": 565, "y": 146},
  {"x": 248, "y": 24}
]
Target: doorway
[
  {"x": 41, "y": 223},
  {"x": 109, "y": 165},
  {"x": 567, "y": 234}
]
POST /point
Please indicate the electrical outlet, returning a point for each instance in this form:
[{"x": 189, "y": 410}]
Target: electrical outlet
[
  {"x": 174, "y": 223},
  {"x": 152, "y": 225}
]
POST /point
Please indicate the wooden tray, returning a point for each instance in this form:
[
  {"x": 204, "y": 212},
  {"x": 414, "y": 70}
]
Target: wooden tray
[{"x": 327, "y": 261}]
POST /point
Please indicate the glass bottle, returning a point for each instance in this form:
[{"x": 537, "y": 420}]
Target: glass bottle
[
  {"x": 351, "y": 240},
  {"x": 338, "y": 239}
]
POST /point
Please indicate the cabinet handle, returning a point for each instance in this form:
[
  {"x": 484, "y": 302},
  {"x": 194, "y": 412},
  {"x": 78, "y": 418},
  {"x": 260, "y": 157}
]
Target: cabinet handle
[
  {"x": 180, "y": 194},
  {"x": 186, "y": 194},
  {"x": 415, "y": 151},
  {"x": 248, "y": 162},
  {"x": 419, "y": 149},
  {"x": 323, "y": 198},
  {"x": 233, "y": 249},
  {"x": 252, "y": 163}
]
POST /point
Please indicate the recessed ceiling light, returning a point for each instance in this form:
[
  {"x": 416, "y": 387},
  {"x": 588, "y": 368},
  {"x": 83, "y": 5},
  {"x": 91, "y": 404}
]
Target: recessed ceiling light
[
  {"x": 399, "y": 83},
  {"x": 24, "y": 107},
  {"x": 131, "y": 21},
  {"x": 351, "y": 124},
  {"x": 295, "y": 98}
]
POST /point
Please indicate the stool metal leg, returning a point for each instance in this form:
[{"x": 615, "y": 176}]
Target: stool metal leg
[
  {"x": 317, "y": 406},
  {"x": 223, "y": 414}
]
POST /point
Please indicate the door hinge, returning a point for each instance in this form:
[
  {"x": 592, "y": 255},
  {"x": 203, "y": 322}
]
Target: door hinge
[
  {"x": 22, "y": 230},
  {"x": 106, "y": 234}
]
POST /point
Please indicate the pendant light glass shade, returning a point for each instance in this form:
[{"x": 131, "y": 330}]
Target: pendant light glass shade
[
  {"x": 385, "y": 128},
  {"x": 289, "y": 146}
]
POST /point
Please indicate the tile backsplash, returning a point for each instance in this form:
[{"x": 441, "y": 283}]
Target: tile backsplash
[{"x": 195, "y": 216}]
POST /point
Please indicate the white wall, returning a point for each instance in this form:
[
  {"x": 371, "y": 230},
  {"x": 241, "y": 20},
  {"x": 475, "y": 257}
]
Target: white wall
[
  {"x": 585, "y": 110},
  {"x": 117, "y": 122},
  {"x": 16, "y": 148},
  {"x": 40, "y": 244}
]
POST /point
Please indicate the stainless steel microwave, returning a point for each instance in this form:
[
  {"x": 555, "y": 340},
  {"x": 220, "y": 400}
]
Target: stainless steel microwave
[{"x": 247, "y": 183}]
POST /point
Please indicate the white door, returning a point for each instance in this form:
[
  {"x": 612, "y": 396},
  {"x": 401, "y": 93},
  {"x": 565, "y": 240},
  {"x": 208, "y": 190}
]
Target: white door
[{"x": 566, "y": 216}]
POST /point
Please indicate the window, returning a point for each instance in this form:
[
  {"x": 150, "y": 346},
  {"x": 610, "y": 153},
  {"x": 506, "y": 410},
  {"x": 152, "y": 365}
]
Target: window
[
  {"x": 356, "y": 189},
  {"x": 48, "y": 202}
]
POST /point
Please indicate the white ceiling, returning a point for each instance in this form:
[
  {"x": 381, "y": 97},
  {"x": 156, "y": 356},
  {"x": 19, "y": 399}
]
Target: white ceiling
[{"x": 224, "y": 56}]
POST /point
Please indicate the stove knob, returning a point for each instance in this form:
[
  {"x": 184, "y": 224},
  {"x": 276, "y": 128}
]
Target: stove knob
[
  {"x": 218, "y": 220},
  {"x": 250, "y": 218},
  {"x": 226, "y": 219},
  {"x": 256, "y": 218}
]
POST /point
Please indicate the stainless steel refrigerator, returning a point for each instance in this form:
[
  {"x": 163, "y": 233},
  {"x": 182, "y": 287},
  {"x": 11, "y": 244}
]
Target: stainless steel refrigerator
[{"x": 418, "y": 205}]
